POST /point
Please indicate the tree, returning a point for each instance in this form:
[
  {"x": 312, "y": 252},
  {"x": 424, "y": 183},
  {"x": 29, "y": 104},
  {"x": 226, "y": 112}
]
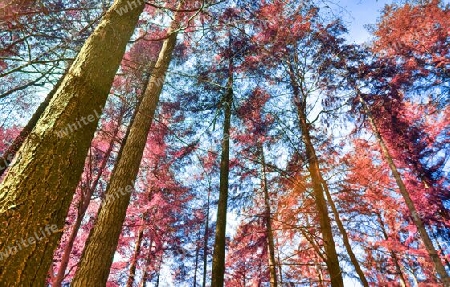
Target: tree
[
  {"x": 218, "y": 267},
  {"x": 43, "y": 199},
  {"x": 298, "y": 62},
  {"x": 416, "y": 218},
  {"x": 96, "y": 262}
]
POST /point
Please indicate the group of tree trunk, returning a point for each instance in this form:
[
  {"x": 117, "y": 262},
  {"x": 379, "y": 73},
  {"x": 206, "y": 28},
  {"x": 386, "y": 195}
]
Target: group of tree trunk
[{"x": 305, "y": 202}]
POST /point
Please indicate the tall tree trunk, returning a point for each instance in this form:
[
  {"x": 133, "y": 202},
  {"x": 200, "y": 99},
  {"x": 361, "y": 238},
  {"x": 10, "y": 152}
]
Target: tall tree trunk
[
  {"x": 197, "y": 255},
  {"x": 158, "y": 275},
  {"x": 440, "y": 269},
  {"x": 268, "y": 218},
  {"x": 331, "y": 258},
  {"x": 145, "y": 275},
  {"x": 280, "y": 268},
  {"x": 82, "y": 208},
  {"x": 393, "y": 255},
  {"x": 319, "y": 270},
  {"x": 102, "y": 242},
  {"x": 441, "y": 249},
  {"x": 206, "y": 237},
  {"x": 344, "y": 235},
  {"x": 8, "y": 155},
  {"x": 218, "y": 266},
  {"x": 137, "y": 250},
  {"x": 34, "y": 200}
]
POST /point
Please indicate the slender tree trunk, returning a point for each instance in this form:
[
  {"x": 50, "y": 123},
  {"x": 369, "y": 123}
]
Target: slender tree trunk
[
  {"x": 319, "y": 270},
  {"x": 102, "y": 242},
  {"x": 332, "y": 260},
  {"x": 439, "y": 267},
  {"x": 8, "y": 155},
  {"x": 218, "y": 266},
  {"x": 158, "y": 275},
  {"x": 268, "y": 217},
  {"x": 82, "y": 208},
  {"x": 206, "y": 238},
  {"x": 137, "y": 250},
  {"x": 441, "y": 249},
  {"x": 280, "y": 268},
  {"x": 197, "y": 255},
  {"x": 344, "y": 234},
  {"x": 393, "y": 255},
  {"x": 34, "y": 200},
  {"x": 145, "y": 275}
]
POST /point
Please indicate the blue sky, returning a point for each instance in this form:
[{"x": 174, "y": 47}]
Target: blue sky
[{"x": 360, "y": 13}]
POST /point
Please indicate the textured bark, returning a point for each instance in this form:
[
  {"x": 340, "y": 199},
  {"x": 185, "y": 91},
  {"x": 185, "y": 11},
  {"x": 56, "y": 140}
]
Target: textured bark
[
  {"x": 218, "y": 265},
  {"x": 268, "y": 218},
  {"x": 331, "y": 258},
  {"x": 439, "y": 267},
  {"x": 102, "y": 242},
  {"x": 39, "y": 186},
  {"x": 9, "y": 154},
  {"x": 344, "y": 235},
  {"x": 82, "y": 208}
]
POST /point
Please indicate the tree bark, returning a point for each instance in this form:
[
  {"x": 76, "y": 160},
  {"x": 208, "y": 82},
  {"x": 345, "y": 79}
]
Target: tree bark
[
  {"x": 331, "y": 258},
  {"x": 82, "y": 208},
  {"x": 102, "y": 242},
  {"x": 439, "y": 267},
  {"x": 39, "y": 186},
  {"x": 218, "y": 265},
  {"x": 268, "y": 218}
]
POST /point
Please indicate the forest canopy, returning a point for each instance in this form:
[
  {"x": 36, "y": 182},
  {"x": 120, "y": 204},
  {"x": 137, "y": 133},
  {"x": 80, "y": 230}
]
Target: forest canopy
[{"x": 223, "y": 143}]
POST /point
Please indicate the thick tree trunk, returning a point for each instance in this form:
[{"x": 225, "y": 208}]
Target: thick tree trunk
[
  {"x": 82, "y": 208},
  {"x": 102, "y": 242},
  {"x": 440, "y": 269},
  {"x": 137, "y": 250},
  {"x": 218, "y": 265},
  {"x": 9, "y": 154},
  {"x": 268, "y": 218},
  {"x": 331, "y": 258},
  {"x": 39, "y": 187},
  {"x": 344, "y": 235}
]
